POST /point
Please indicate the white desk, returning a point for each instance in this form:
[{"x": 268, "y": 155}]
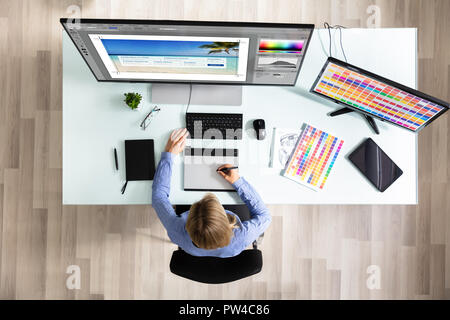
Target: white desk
[{"x": 95, "y": 121}]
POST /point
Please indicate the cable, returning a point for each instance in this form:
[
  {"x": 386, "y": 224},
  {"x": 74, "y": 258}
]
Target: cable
[
  {"x": 340, "y": 40},
  {"x": 339, "y": 27},
  {"x": 190, "y": 94},
  {"x": 326, "y": 25}
]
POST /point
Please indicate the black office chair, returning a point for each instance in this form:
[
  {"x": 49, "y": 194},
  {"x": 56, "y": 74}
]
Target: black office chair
[{"x": 215, "y": 270}]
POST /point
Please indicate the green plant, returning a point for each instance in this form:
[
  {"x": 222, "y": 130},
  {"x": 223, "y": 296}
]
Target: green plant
[{"x": 132, "y": 99}]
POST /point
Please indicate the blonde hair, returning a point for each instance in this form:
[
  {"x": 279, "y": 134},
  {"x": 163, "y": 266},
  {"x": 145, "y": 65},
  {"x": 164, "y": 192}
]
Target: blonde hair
[{"x": 208, "y": 225}]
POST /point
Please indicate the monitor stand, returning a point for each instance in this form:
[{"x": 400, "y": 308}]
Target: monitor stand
[
  {"x": 203, "y": 94},
  {"x": 369, "y": 119}
]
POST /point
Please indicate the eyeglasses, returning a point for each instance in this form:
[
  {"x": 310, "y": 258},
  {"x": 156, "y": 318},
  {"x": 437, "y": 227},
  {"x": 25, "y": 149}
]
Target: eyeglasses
[{"x": 149, "y": 117}]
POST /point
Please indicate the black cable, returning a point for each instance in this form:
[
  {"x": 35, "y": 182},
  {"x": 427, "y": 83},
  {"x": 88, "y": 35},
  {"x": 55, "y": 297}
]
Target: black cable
[
  {"x": 339, "y": 27},
  {"x": 189, "y": 101},
  {"x": 340, "y": 40},
  {"x": 326, "y": 25}
]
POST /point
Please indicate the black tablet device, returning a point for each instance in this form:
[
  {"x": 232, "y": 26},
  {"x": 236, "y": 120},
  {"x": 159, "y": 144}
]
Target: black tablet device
[{"x": 375, "y": 164}]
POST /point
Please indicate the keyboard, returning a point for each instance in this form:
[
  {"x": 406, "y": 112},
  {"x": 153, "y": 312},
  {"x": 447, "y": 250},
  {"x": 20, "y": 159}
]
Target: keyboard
[{"x": 214, "y": 125}]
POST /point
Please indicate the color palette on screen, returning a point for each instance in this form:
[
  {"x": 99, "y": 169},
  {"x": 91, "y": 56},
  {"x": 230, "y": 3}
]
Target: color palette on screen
[
  {"x": 281, "y": 46},
  {"x": 313, "y": 158},
  {"x": 375, "y": 97}
]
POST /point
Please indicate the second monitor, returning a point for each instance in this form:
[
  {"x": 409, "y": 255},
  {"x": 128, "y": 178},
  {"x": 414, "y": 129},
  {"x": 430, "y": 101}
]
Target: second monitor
[{"x": 374, "y": 96}]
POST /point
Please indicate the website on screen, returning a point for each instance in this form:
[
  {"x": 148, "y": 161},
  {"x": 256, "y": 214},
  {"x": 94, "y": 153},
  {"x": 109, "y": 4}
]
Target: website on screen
[{"x": 173, "y": 57}]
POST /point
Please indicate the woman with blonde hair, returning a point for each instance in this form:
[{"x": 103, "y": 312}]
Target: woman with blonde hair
[{"x": 207, "y": 229}]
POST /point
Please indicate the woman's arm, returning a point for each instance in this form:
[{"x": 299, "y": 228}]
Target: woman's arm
[
  {"x": 161, "y": 180},
  {"x": 161, "y": 190},
  {"x": 260, "y": 216}
]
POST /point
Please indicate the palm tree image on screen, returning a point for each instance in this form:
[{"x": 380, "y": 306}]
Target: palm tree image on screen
[{"x": 218, "y": 47}]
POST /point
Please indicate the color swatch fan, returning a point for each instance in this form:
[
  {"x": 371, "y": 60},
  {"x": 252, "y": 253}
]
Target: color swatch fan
[{"x": 313, "y": 158}]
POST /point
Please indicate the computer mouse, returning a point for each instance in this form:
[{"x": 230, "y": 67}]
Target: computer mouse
[{"x": 260, "y": 127}]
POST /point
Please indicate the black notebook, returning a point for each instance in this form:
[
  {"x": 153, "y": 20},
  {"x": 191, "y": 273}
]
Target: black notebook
[{"x": 139, "y": 161}]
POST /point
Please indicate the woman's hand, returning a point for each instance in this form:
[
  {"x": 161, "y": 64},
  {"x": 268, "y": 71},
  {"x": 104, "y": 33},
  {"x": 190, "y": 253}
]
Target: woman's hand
[
  {"x": 177, "y": 141},
  {"x": 230, "y": 175}
]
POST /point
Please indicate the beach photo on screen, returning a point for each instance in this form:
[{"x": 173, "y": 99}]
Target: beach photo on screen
[{"x": 157, "y": 55}]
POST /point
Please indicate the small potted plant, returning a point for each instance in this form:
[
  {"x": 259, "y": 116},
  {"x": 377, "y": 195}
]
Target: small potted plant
[{"x": 133, "y": 100}]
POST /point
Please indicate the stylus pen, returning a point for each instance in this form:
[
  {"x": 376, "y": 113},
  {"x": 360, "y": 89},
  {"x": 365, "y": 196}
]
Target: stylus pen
[
  {"x": 115, "y": 159},
  {"x": 226, "y": 169}
]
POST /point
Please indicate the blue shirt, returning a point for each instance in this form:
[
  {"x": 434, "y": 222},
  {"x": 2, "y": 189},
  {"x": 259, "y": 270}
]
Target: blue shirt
[{"x": 243, "y": 236}]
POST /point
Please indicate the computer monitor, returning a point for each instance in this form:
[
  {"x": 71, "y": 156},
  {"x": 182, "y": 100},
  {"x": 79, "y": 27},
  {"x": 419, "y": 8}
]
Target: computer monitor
[
  {"x": 191, "y": 51},
  {"x": 375, "y": 96}
]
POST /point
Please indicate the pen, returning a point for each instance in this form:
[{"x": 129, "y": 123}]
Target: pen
[
  {"x": 115, "y": 159},
  {"x": 226, "y": 169},
  {"x": 124, "y": 187}
]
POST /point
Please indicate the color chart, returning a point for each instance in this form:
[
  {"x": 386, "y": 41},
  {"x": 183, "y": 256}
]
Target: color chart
[
  {"x": 313, "y": 158},
  {"x": 280, "y": 46},
  {"x": 375, "y": 97}
]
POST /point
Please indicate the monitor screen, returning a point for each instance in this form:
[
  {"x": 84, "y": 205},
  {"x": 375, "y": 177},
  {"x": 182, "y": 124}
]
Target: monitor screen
[
  {"x": 191, "y": 51},
  {"x": 377, "y": 96}
]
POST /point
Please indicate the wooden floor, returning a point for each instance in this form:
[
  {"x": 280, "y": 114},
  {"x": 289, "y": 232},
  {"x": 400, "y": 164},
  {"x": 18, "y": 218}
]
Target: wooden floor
[{"x": 310, "y": 252}]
